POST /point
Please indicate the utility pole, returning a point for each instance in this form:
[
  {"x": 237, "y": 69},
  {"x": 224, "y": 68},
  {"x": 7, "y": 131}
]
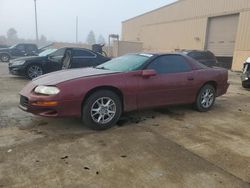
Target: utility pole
[
  {"x": 77, "y": 29},
  {"x": 36, "y": 23}
]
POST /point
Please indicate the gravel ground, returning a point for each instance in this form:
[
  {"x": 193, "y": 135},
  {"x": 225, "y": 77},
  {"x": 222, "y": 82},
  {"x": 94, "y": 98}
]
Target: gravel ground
[{"x": 171, "y": 147}]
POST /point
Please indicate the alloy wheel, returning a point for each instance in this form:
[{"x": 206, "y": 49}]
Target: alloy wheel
[
  {"x": 207, "y": 98},
  {"x": 5, "y": 58},
  {"x": 34, "y": 71},
  {"x": 103, "y": 110}
]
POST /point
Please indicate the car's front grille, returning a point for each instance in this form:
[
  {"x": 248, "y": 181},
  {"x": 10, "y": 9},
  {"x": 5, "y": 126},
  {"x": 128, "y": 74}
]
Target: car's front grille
[{"x": 24, "y": 101}]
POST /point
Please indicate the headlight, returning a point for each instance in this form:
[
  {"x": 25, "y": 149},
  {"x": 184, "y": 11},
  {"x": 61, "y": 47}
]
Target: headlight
[
  {"x": 20, "y": 62},
  {"x": 47, "y": 90}
]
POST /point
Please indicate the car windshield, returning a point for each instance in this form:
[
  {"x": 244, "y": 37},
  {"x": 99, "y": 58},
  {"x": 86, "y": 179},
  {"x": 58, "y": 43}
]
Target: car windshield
[
  {"x": 125, "y": 63},
  {"x": 47, "y": 52},
  {"x": 13, "y": 46}
]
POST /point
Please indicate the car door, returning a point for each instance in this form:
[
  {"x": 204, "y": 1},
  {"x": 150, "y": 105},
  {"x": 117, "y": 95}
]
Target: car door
[
  {"x": 173, "y": 83},
  {"x": 83, "y": 58},
  {"x": 31, "y": 50},
  {"x": 54, "y": 62}
]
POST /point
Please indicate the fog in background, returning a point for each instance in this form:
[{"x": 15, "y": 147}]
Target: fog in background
[{"x": 57, "y": 18}]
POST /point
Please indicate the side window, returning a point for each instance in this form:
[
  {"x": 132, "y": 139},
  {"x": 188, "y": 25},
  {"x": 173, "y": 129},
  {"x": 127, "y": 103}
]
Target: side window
[
  {"x": 20, "y": 47},
  {"x": 31, "y": 48},
  {"x": 83, "y": 53},
  {"x": 58, "y": 53},
  {"x": 170, "y": 64}
]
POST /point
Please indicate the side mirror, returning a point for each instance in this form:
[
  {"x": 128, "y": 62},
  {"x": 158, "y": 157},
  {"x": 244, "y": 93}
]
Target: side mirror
[{"x": 148, "y": 73}]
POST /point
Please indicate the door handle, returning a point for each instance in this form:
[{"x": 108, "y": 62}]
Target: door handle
[{"x": 190, "y": 78}]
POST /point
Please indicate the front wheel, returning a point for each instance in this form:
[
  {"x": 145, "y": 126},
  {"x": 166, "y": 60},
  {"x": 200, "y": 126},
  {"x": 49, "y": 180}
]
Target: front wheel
[
  {"x": 246, "y": 86},
  {"x": 205, "y": 98},
  {"x": 101, "y": 110},
  {"x": 5, "y": 58},
  {"x": 34, "y": 71}
]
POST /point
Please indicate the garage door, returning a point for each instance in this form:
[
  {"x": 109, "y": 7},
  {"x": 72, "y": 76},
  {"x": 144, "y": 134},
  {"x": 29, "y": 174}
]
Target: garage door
[{"x": 222, "y": 34}]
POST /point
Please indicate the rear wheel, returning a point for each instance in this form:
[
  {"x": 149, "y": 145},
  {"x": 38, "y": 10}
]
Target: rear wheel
[
  {"x": 5, "y": 58},
  {"x": 206, "y": 98},
  {"x": 101, "y": 110},
  {"x": 34, "y": 71}
]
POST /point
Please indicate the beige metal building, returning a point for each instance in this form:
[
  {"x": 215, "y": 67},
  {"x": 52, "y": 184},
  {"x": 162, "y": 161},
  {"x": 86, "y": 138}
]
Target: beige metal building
[{"x": 221, "y": 26}]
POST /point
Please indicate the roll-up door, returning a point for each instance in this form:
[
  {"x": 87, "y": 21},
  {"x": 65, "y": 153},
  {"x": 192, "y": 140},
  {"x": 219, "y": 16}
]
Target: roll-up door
[{"x": 221, "y": 35}]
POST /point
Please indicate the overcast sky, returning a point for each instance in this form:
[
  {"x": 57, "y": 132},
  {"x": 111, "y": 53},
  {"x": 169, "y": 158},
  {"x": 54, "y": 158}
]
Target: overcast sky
[{"x": 56, "y": 18}]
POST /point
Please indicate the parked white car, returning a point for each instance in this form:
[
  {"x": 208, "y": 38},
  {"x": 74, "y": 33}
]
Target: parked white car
[{"x": 246, "y": 74}]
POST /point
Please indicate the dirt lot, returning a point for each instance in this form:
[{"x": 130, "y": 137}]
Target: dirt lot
[{"x": 174, "y": 147}]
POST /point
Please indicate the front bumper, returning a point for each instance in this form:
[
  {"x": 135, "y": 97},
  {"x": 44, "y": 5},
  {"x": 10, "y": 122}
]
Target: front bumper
[
  {"x": 17, "y": 70},
  {"x": 245, "y": 78},
  {"x": 246, "y": 84},
  {"x": 56, "y": 108}
]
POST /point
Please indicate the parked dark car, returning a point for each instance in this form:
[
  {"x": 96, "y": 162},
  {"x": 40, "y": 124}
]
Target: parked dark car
[
  {"x": 53, "y": 60},
  {"x": 4, "y": 46},
  {"x": 19, "y": 50},
  {"x": 245, "y": 78},
  {"x": 204, "y": 57},
  {"x": 101, "y": 94}
]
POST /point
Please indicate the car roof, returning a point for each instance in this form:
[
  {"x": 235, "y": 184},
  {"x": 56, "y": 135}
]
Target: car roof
[
  {"x": 193, "y": 51},
  {"x": 78, "y": 48},
  {"x": 159, "y": 53},
  {"x": 25, "y": 44}
]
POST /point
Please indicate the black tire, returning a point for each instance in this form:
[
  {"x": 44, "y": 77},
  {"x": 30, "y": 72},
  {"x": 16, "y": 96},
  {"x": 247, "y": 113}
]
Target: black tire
[
  {"x": 244, "y": 85},
  {"x": 5, "y": 57},
  {"x": 91, "y": 105},
  {"x": 205, "y": 98},
  {"x": 37, "y": 67}
]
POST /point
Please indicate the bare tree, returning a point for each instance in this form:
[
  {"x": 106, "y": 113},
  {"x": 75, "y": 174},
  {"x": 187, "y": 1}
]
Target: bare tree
[
  {"x": 43, "y": 40},
  {"x": 3, "y": 40},
  {"x": 12, "y": 36},
  {"x": 91, "y": 38},
  {"x": 101, "y": 40}
]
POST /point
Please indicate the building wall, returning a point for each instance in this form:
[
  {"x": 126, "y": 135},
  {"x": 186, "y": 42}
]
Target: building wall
[
  {"x": 125, "y": 47},
  {"x": 175, "y": 35},
  {"x": 183, "y": 25},
  {"x": 180, "y": 11},
  {"x": 242, "y": 46}
]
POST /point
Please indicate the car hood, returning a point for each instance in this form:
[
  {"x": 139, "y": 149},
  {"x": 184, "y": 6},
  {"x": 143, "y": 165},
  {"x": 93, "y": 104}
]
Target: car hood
[
  {"x": 69, "y": 74},
  {"x": 4, "y": 49},
  {"x": 16, "y": 62},
  {"x": 29, "y": 58}
]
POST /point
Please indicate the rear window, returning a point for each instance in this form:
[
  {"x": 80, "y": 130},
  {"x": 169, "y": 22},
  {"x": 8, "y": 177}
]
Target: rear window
[
  {"x": 201, "y": 55},
  {"x": 83, "y": 53}
]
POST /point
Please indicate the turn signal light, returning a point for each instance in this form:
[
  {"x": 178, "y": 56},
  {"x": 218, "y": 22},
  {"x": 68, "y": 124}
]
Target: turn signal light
[{"x": 45, "y": 103}]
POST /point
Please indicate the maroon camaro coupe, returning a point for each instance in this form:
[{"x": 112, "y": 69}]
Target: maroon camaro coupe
[{"x": 135, "y": 81}]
